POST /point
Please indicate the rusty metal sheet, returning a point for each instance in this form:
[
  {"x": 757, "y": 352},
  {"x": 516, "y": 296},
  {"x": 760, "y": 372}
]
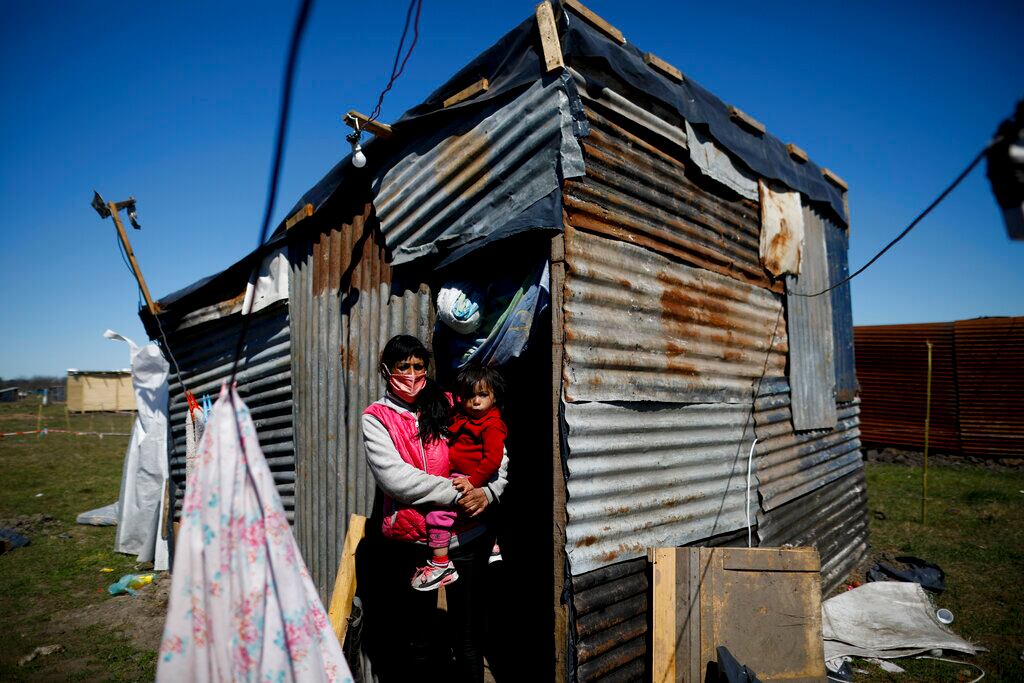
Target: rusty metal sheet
[
  {"x": 833, "y": 519},
  {"x": 791, "y": 464},
  {"x": 644, "y": 475},
  {"x": 990, "y": 385},
  {"x": 639, "y": 190},
  {"x": 639, "y": 327},
  {"x": 465, "y": 182},
  {"x": 346, "y": 303},
  {"x": 892, "y": 365},
  {"x": 782, "y": 229},
  {"x": 812, "y": 372}
]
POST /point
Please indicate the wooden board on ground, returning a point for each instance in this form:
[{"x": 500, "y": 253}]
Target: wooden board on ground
[{"x": 763, "y": 604}]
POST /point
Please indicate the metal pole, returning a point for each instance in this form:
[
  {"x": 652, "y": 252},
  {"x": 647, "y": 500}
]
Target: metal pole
[
  {"x": 927, "y": 426},
  {"x": 115, "y": 213}
]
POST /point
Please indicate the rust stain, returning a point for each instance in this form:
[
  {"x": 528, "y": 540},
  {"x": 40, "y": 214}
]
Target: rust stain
[
  {"x": 587, "y": 541},
  {"x": 451, "y": 171}
]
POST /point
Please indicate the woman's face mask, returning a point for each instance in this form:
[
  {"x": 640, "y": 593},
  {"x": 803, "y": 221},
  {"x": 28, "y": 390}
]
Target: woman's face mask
[{"x": 408, "y": 378}]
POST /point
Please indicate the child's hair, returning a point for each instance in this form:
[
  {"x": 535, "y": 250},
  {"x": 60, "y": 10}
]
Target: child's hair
[
  {"x": 471, "y": 375},
  {"x": 431, "y": 403}
]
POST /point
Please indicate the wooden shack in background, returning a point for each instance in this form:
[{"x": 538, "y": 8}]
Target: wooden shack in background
[{"x": 91, "y": 391}]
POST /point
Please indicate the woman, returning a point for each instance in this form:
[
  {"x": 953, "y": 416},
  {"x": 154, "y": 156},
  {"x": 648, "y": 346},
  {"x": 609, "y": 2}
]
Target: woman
[{"x": 413, "y": 416}]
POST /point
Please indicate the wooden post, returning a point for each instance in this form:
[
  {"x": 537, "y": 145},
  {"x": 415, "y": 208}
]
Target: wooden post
[
  {"x": 115, "y": 213},
  {"x": 664, "y": 632},
  {"x": 561, "y": 635},
  {"x": 927, "y": 427},
  {"x": 345, "y": 581},
  {"x": 551, "y": 47}
]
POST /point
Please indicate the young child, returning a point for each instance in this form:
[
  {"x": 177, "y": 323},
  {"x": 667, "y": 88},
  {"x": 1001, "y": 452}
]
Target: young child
[{"x": 476, "y": 444}]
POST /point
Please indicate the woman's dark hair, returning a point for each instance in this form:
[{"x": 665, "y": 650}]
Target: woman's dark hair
[
  {"x": 431, "y": 403},
  {"x": 469, "y": 376}
]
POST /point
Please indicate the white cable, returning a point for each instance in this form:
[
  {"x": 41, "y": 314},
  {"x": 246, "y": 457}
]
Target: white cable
[
  {"x": 954, "y": 661},
  {"x": 750, "y": 462}
]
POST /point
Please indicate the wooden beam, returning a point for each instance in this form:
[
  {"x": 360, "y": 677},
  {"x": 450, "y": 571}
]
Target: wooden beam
[
  {"x": 659, "y": 64},
  {"x": 663, "y": 614},
  {"x": 834, "y": 179},
  {"x": 797, "y": 153},
  {"x": 737, "y": 114},
  {"x": 551, "y": 47},
  {"x": 558, "y": 491},
  {"x": 305, "y": 212},
  {"x": 381, "y": 130},
  {"x": 115, "y": 213},
  {"x": 595, "y": 21},
  {"x": 345, "y": 581},
  {"x": 466, "y": 93}
]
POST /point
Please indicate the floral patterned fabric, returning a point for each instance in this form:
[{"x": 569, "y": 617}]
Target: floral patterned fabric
[{"x": 242, "y": 605}]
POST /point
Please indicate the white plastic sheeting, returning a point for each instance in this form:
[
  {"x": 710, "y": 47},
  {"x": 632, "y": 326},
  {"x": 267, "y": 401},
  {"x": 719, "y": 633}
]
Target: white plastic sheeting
[
  {"x": 885, "y": 619},
  {"x": 269, "y": 285},
  {"x": 145, "y": 464}
]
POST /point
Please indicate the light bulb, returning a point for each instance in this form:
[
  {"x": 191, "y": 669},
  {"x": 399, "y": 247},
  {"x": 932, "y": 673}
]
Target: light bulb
[{"x": 358, "y": 158}]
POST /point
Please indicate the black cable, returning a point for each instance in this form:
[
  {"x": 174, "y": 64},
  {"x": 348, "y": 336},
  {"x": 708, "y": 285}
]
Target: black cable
[
  {"x": 275, "y": 170},
  {"x": 938, "y": 200},
  {"x": 396, "y": 70}
]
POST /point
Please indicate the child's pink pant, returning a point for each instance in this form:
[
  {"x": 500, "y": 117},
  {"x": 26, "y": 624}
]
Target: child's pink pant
[{"x": 440, "y": 523}]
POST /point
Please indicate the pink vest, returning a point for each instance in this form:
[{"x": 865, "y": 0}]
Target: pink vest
[{"x": 405, "y": 522}]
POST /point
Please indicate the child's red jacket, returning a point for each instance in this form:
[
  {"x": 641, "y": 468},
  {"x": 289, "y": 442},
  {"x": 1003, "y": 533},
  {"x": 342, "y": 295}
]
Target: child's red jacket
[{"x": 477, "y": 445}]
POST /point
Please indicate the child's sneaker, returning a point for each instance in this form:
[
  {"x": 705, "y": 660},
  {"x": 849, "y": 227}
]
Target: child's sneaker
[
  {"x": 495, "y": 554},
  {"x": 431, "y": 577}
]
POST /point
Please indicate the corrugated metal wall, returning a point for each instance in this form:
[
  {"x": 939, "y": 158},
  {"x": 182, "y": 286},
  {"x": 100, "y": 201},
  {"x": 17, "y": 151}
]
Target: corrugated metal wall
[
  {"x": 648, "y": 475},
  {"x": 474, "y": 178},
  {"x": 791, "y": 464},
  {"x": 812, "y": 372},
  {"x": 205, "y": 353},
  {"x": 345, "y": 307},
  {"x": 837, "y": 245},
  {"x": 637, "y": 192},
  {"x": 990, "y": 385},
  {"x": 832, "y": 518},
  {"x": 640, "y": 327},
  {"x": 892, "y": 367}
]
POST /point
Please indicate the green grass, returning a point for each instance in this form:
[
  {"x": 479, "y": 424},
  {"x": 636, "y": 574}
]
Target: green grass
[
  {"x": 975, "y": 532},
  {"x": 62, "y": 475}
]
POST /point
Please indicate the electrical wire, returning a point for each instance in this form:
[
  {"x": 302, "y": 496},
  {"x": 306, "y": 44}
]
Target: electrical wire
[
  {"x": 750, "y": 463},
  {"x": 396, "y": 69},
  {"x": 938, "y": 200},
  {"x": 298, "y": 30}
]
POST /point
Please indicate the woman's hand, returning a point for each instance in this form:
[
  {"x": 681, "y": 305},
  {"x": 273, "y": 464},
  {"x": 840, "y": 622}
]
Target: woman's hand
[
  {"x": 462, "y": 485},
  {"x": 474, "y": 502}
]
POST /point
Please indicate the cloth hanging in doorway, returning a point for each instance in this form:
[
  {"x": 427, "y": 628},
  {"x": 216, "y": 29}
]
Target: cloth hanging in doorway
[{"x": 242, "y": 604}]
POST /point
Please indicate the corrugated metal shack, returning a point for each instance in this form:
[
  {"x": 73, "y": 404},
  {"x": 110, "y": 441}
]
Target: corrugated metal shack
[
  {"x": 977, "y": 381},
  {"x": 667, "y": 348}
]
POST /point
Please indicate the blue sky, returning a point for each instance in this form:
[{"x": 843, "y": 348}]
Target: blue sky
[{"x": 175, "y": 103}]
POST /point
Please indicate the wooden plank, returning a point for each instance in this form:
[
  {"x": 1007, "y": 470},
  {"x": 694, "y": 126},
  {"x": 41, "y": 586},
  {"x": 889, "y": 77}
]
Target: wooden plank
[
  {"x": 345, "y": 581},
  {"x": 740, "y": 116},
  {"x": 659, "y": 64},
  {"x": 595, "y": 21},
  {"x": 835, "y": 179},
  {"x": 558, "y": 491},
  {"x": 305, "y": 212},
  {"x": 469, "y": 91},
  {"x": 381, "y": 130},
  {"x": 663, "y": 614},
  {"x": 772, "y": 560},
  {"x": 797, "y": 153},
  {"x": 551, "y": 47}
]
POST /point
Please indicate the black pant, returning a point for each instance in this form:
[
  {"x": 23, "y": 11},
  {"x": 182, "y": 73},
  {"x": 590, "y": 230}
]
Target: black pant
[{"x": 403, "y": 634}]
